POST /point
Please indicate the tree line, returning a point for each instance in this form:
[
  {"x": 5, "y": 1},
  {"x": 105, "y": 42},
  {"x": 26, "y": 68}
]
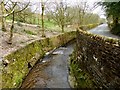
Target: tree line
[
  {"x": 61, "y": 13},
  {"x": 112, "y": 10}
]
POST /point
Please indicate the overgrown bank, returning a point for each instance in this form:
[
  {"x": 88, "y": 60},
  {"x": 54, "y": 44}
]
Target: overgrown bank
[
  {"x": 115, "y": 29},
  {"x": 17, "y": 64},
  {"x": 77, "y": 77},
  {"x": 95, "y": 62}
]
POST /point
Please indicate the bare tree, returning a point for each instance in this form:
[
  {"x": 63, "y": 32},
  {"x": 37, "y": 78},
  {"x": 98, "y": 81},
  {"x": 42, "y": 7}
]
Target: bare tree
[
  {"x": 10, "y": 8},
  {"x": 41, "y": 9},
  {"x": 42, "y": 18},
  {"x": 81, "y": 10},
  {"x": 2, "y": 17},
  {"x": 60, "y": 14},
  {"x": 24, "y": 15}
]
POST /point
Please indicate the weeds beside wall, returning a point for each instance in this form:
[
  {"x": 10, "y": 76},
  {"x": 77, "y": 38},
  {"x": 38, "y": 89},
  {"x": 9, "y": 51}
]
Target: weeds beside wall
[{"x": 98, "y": 59}]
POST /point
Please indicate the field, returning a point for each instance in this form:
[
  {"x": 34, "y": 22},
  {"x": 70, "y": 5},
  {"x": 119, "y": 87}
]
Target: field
[{"x": 25, "y": 33}]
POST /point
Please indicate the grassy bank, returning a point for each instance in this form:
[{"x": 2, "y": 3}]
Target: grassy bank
[
  {"x": 80, "y": 79},
  {"x": 116, "y": 30}
]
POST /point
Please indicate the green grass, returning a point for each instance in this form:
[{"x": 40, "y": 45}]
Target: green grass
[
  {"x": 82, "y": 79},
  {"x": 29, "y": 32},
  {"x": 49, "y": 25}
]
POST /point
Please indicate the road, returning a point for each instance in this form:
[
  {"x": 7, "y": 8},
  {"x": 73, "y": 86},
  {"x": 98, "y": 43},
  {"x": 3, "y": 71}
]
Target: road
[
  {"x": 104, "y": 31},
  {"x": 52, "y": 72}
]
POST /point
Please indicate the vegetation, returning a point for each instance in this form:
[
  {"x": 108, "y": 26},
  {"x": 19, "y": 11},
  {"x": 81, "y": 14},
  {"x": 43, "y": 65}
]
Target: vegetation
[
  {"x": 64, "y": 15},
  {"x": 60, "y": 14},
  {"x": 112, "y": 10},
  {"x": 82, "y": 79},
  {"x": 29, "y": 32},
  {"x": 46, "y": 15},
  {"x": 11, "y": 8}
]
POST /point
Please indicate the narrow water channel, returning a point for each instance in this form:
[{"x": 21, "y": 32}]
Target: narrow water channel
[{"x": 52, "y": 72}]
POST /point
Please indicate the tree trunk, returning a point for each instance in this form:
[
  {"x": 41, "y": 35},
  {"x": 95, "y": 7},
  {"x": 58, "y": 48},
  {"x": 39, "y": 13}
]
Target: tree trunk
[
  {"x": 3, "y": 24},
  {"x": 11, "y": 29},
  {"x": 30, "y": 20},
  {"x": 115, "y": 21},
  {"x": 42, "y": 16},
  {"x": 34, "y": 18},
  {"x": 24, "y": 17},
  {"x": 2, "y": 18},
  {"x": 63, "y": 28},
  {"x": 38, "y": 20}
]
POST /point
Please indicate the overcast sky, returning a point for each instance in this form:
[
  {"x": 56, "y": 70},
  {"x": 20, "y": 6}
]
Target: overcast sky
[{"x": 98, "y": 10}]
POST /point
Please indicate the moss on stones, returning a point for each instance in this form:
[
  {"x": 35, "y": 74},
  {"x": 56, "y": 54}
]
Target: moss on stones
[
  {"x": 98, "y": 58},
  {"x": 17, "y": 68},
  {"x": 81, "y": 78}
]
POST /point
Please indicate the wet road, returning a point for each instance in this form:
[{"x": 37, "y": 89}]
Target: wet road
[
  {"x": 104, "y": 31},
  {"x": 52, "y": 72}
]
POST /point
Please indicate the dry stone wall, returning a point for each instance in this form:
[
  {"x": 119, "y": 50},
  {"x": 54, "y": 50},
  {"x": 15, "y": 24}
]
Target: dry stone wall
[{"x": 100, "y": 58}]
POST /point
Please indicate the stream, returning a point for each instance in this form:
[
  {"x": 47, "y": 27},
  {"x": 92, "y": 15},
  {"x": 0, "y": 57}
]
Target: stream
[{"x": 53, "y": 71}]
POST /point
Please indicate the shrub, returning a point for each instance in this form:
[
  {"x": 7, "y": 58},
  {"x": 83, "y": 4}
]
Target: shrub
[{"x": 116, "y": 29}]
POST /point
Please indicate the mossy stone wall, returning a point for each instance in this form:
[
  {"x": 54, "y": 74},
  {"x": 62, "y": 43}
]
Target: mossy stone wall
[
  {"x": 89, "y": 26},
  {"x": 22, "y": 60},
  {"x": 99, "y": 57}
]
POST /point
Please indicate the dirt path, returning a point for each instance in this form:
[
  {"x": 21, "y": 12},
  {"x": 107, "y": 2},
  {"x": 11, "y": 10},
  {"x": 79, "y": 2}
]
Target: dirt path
[{"x": 52, "y": 72}]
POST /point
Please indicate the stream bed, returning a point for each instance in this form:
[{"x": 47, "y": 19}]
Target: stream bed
[{"x": 53, "y": 71}]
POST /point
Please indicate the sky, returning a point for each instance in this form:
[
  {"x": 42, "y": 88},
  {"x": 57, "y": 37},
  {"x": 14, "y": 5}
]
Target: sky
[{"x": 97, "y": 10}]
